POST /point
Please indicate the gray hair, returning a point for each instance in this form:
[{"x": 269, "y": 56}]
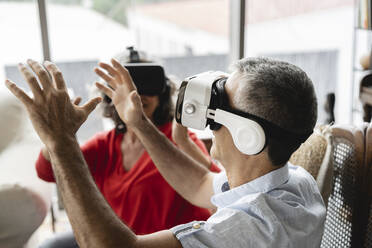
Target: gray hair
[{"x": 279, "y": 92}]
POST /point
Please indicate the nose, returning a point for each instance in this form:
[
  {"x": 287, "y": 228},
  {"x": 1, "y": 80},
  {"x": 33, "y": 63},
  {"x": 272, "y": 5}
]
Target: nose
[{"x": 143, "y": 97}]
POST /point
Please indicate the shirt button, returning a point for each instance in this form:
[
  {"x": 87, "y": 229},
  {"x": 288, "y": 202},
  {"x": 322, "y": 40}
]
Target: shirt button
[{"x": 196, "y": 225}]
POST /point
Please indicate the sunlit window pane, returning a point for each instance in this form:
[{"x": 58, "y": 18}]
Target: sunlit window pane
[
  {"x": 20, "y": 36},
  {"x": 181, "y": 35},
  {"x": 315, "y": 36}
]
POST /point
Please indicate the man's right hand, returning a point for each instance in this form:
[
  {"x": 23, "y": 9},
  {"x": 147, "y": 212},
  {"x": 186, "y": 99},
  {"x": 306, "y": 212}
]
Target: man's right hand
[
  {"x": 44, "y": 150},
  {"x": 52, "y": 114},
  {"x": 122, "y": 92}
]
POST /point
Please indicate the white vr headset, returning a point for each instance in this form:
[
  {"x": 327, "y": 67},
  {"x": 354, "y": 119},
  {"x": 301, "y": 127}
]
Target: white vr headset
[{"x": 202, "y": 101}]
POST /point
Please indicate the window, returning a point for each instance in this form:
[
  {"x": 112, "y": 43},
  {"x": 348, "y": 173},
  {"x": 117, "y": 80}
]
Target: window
[
  {"x": 181, "y": 35},
  {"x": 20, "y": 37},
  {"x": 316, "y": 36}
]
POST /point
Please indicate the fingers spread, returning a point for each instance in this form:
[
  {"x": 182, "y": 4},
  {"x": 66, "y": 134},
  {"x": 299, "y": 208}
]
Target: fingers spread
[
  {"x": 31, "y": 81},
  {"x": 56, "y": 74},
  {"x": 124, "y": 74},
  {"x": 20, "y": 94},
  {"x": 41, "y": 73},
  {"x": 91, "y": 105},
  {"x": 110, "y": 80},
  {"x": 112, "y": 71},
  {"x": 106, "y": 90}
]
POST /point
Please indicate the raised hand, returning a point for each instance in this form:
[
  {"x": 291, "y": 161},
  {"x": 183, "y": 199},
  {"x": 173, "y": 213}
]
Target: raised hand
[
  {"x": 52, "y": 114},
  {"x": 122, "y": 92}
]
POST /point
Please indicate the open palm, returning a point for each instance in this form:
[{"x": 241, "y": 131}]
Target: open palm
[
  {"x": 122, "y": 92},
  {"x": 52, "y": 114}
]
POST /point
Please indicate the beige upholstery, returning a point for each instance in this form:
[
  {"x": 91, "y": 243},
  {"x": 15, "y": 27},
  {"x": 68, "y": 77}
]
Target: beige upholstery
[{"x": 315, "y": 155}]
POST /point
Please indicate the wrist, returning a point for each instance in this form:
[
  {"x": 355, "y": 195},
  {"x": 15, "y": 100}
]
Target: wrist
[
  {"x": 133, "y": 122},
  {"x": 142, "y": 124},
  {"x": 60, "y": 144}
]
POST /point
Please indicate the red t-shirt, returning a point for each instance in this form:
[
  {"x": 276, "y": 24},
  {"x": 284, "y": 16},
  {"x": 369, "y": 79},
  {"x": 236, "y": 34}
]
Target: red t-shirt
[{"x": 140, "y": 197}]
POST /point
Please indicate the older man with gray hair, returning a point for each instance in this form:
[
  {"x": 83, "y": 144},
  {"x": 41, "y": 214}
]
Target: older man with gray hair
[{"x": 261, "y": 199}]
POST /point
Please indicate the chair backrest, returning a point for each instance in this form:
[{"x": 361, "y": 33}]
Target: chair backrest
[
  {"x": 366, "y": 211},
  {"x": 348, "y": 157}
]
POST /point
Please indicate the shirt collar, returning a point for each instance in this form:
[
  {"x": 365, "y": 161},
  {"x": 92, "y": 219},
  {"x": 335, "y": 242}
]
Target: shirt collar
[{"x": 262, "y": 184}]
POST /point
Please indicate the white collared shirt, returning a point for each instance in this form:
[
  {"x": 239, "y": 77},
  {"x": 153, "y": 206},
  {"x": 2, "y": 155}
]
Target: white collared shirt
[{"x": 280, "y": 209}]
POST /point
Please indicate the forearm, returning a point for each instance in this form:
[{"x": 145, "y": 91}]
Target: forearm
[
  {"x": 184, "y": 174},
  {"x": 189, "y": 147},
  {"x": 93, "y": 221}
]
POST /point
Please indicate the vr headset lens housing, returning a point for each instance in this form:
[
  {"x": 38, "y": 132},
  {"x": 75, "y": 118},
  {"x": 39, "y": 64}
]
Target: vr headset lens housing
[
  {"x": 197, "y": 95},
  {"x": 149, "y": 78},
  {"x": 218, "y": 100}
]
